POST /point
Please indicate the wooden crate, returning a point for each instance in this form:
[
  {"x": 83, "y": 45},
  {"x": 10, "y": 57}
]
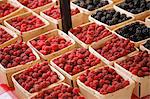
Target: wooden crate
[
  {"x": 71, "y": 79},
  {"x": 144, "y": 48},
  {"x": 32, "y": 33},
  {"x": 124, "y": 93},
  {"x": 76, "y": 19},
  {"x": 116, "y": 25},
  {"x": 90, "y": 12},
  {"x": 140, "y": 16},
  {"x": 82, "y": 43},
  {"x": 20, "y": 10},
  {"x": 24, "y": 94},
  {"x": 137, "y": 44},
  {"x": 6, "y": 73},
  {"x": 147, "y": 21},
  {"x": 38, "y": 9},
  {"x": 50, "y": 88},
  {"x": 12, "y": 40},
  {"x": 101, "y": 44},
  {"x": 59, "y": 33},
  {"x": 142, "y": 83}
]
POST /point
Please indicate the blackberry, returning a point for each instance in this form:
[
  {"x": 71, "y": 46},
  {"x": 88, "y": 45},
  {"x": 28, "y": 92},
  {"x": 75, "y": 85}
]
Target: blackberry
[
  {"x": 135, "y": 6},
  {"x": 147, "y": 44},
  {"x": 135, "y": 31},
  {"x": 91, "y": 4},
  {"x": 110, "y": 17}
]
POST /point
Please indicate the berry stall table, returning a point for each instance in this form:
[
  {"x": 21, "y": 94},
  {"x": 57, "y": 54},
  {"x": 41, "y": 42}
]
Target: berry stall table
[{"x": 7, "y": 93}]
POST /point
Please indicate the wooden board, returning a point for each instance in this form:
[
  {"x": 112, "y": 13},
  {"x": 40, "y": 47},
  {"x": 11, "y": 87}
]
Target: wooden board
[{"x": 147, "y": 21}]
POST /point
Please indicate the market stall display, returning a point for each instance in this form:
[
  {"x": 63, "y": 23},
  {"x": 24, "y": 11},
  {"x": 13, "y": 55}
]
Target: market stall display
[{"x": 74, "y": 49}]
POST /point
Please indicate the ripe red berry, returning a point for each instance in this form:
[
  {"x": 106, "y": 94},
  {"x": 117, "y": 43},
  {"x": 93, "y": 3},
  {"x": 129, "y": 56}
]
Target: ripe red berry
[
  {"x": 104, "y": 80},
  {"x": 59, "y": 92},
  {"x": 54, "y": 12},
  {"x": 37, "y": 77},
  {"x": 76, "y": 61},
  {"x": 90, "y": 33}
]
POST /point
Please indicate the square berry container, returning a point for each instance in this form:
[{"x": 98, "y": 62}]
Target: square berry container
[
  {"x": 28, "y": 34},
  {"x": 71, "y": 79},
  {"x": 55, "y": 33},
  {"x": 110, "y": 3},
  {"x": 23, "y": 93},
  {"x": 147, "y": 21},
  {"x": 19, "y": 10},
  {"x": 36, "y": 9},
  {"x": 51, "y": 87},
  {"x": 139, "y": 16},
  {"x": 76, "y": 17},
  {"x": 84, "y": 44},
  {"x": 115, "y": 25},
  {"x": 142, "y": 83},
  {"x": 137, "y": 44},
  {"x": 13, "y": 38},
  {"x": 143, "y": 48},
  {"x": 6, "y": 73},
  {"x": 124, "y": 93},
  {"x": 100, "y": 44}
]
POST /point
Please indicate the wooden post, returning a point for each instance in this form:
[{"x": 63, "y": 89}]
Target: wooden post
[{"x": 65, "y": 15}]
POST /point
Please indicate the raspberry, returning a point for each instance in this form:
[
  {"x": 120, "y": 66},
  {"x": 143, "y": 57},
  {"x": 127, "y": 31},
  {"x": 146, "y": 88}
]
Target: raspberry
[{"x": 37, "y": 77}]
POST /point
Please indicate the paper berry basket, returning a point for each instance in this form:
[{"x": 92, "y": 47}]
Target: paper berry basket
[
  {"x": 58, "y": 33},
  {"x": 124, "y": 93},
  {"x": 143, "y": 48},
  {"x": 6, "y": 73},
  {"x": 83, "y": 44},
  {"x": 89, "y": 12},
  {"x": 51, "y": 88},
  {"x": 137, "y": 44},
  {"x": 24, "y": 94},
  {"x": 71, "y": 79},
  {"x": 20, "y": 10},
  {"x": 31, "y": 33},
  {"x": 116, "y": 25},
  {"x": 147, "y": 21},
  {"x": 101, "y": 44},
  {"x": 37, "y": 9},
  {"x": 141, "y": 87},
  {"x": 12, "y": 40},
  {"x": 76, "y": 19},
  {"x": 139, "y": 16}
]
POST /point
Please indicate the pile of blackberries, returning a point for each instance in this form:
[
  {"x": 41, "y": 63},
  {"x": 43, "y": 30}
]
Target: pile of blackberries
[
  {"x": 135, "y": 31},
  {"x": 110, "y": 17},
  {"x": 91, "y": 4},
  {"x": 135, "y": 6},
  {"x": 147, "y": 44}
]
